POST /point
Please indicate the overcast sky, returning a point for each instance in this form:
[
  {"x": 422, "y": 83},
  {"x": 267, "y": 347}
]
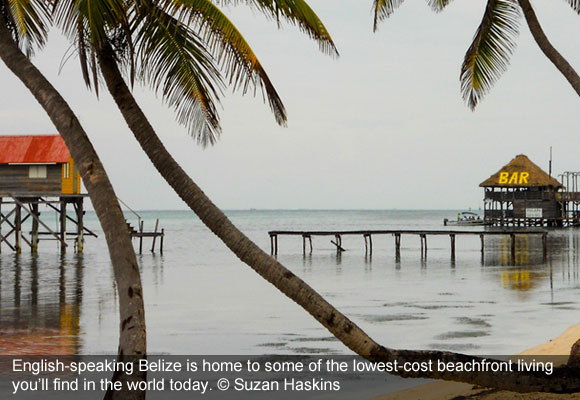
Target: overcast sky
[{"x": 382, "y": 127}]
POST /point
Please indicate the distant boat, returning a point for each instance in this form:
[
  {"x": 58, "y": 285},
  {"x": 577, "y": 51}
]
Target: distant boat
[{"x": 466, "y": 218}]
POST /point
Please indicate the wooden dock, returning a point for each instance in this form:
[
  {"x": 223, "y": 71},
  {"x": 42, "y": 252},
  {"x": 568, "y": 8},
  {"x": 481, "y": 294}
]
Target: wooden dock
[
  {"x": 141, "y": 233},
  {"x": 422, "y": 234}
]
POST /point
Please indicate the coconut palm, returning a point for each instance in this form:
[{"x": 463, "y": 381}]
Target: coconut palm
[
  {"x": 299, "y": 291},
  {"x": 493, "y": 44},
  {"x": 112, "y": 58},
  {"x": 23, "y": 25},
  {"x": 489, "y": 54}
]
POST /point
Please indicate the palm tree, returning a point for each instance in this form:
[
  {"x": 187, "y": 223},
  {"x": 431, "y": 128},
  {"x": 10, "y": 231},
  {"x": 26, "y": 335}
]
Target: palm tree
[
  {"x": 149, "y": 40},
  {"x": 25, "y": 23},
  {"x": 491, "y": 49},
  {"x": 493, "y": 44}
]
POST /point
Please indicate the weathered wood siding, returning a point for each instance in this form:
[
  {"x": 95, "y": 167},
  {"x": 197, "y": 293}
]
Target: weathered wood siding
[
  {"x": 550, "y": 208},
  {"x": 14, "y": 179}
]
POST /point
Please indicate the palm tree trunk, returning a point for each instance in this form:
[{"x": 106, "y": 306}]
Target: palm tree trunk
[
  {"x": 288, "y": 283},
  {"x": 132, "y": 339},
  {"x": 553, "y": 55}
]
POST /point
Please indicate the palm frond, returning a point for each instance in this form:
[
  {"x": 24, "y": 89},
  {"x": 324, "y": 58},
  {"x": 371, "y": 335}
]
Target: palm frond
[
  {"x": 28, "y": 21},
  {"x": 489, "y": 54},
  {"x": 89, "y": 24},
  {"x": 438, "y": 5},
  {"x": 173, "y": 61},
  {"x": 95, "y": 17},
  {"x": 575, "y": 4},
  {"x": 383, "y": 10},
  {"x": 229, "y": 48},
  {"x": 295, "y": 12}
]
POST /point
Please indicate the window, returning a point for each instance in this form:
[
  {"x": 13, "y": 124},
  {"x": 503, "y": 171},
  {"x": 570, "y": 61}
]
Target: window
[
  {"x": 37, "y": 171},
  {"x": 66, "y": 170}
]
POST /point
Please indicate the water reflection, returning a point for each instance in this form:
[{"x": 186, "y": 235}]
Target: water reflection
[
  {"x": 34, "y": 317},
  {"x": 527, "y": 268}
]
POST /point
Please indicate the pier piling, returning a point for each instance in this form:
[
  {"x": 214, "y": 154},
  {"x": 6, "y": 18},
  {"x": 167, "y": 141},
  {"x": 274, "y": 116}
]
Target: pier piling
[{"x": 452, "y": 237}]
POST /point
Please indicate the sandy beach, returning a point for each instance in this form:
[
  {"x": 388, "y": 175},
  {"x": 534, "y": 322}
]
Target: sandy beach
[{"x": 443, "y": 390}]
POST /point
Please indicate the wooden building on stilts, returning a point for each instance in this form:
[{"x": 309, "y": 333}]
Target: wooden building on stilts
[
  {"x": 35, "y": 171},
  {"x": 522, "y": 194}
]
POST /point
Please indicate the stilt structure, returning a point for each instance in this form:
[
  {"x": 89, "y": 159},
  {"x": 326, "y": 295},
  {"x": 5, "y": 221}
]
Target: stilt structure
[
  {"x": 17, "y": 210},
  {"x": 522, "y": 194},
  {"x": 38, "y": 171}
]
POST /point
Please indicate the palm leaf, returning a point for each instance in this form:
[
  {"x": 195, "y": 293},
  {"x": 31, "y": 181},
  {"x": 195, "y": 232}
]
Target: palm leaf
[
  {"x": 295, "y": 12},
  {"x": 575, "y": 4},
  {"x": 29, "y": 21},
  {"x": 95, "y": 17},
  {"x": 489, "y": 54},
  {"x": 88, "y": 24},
  {"x": 438, "y": 5},
  {"x": 173, "y": 61},
  {"x": 383, "y": 10},
  {"x": 231, "y": 51}
]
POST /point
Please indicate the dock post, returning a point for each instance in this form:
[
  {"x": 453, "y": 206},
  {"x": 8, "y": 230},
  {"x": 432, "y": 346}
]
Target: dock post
[
  {"x": 161, "y": 243},
  {"x": 423, "y": 244},
  {"x": 310, "y": 241},
  {"x": 276, "y": 245},
  {"x": 34, "y": 238},
  {"x": 80, "y": 226},
  {"x": 155, "y": 236},
  {"x": 545, "y": 245},
  {"x": 271, "y": 244},
  {"x": 452, "y": 237},
  {"x": 141, "y": 237},
  {"x": 481, "y": 237},
  {"x": 18, "y": 229},
  {"x": 303, "y": 245},
  {"x": 1, "y": 220},
  {"x": 62, "y": 225},
  {"x": 338, "y": 243},
  {"x": 397, "y": 244},
  {"x": 513, "y": 247},
  {"x": 368, "y": 243}
]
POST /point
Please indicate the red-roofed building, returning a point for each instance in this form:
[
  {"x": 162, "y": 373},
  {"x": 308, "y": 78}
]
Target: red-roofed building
[{"x": 37, "y": 164}]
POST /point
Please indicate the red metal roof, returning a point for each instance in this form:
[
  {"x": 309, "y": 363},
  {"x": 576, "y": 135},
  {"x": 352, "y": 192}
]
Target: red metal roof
[{"x": 33, "y": 149}]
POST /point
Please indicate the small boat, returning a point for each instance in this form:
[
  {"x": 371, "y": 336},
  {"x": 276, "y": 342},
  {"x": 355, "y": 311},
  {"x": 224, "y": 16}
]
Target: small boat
[{"x": 466, "y": 218}]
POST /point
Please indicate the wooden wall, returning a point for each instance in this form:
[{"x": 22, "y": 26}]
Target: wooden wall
[{"x": 14, "y": 179}]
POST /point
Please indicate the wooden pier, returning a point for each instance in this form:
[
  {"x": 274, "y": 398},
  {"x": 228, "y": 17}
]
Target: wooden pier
[
  {"x": 141, "y": 233},
  {"x": 422, "y": 234}
]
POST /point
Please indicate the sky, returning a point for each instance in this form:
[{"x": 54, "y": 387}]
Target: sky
[{"x": 381, "y": 127}]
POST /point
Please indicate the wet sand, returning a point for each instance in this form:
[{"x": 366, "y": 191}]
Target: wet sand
[{"x": 443, "y": 390}]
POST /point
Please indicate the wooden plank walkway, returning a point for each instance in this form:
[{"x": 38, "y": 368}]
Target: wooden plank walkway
[{"x": 368, "y": 234}]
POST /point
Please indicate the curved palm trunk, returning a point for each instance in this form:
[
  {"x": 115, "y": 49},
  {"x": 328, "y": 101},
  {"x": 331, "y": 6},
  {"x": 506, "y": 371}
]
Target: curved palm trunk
[
  {"x": 296, "y": 289},
  {"x": 544, "y": 44},
  {"x": 132, "y": 339}
]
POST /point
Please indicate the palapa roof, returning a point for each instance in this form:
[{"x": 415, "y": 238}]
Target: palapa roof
[
  {"x": 521, "y": 163},
  {"x": 33, "y": 149}
]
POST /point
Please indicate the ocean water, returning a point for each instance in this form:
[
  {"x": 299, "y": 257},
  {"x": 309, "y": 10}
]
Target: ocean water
[{"x": 200, "y": 299}]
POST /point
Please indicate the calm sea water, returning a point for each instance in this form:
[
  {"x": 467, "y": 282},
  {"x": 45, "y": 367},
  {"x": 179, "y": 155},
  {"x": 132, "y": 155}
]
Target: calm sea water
[{"x": 201, "y": 300}]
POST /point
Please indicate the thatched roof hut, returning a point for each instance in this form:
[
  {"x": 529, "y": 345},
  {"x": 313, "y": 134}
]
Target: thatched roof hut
[{"x": 523, "y": 173}]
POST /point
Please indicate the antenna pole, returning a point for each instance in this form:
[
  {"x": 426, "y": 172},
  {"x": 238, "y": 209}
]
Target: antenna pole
[{"x": 550, "y": 165}]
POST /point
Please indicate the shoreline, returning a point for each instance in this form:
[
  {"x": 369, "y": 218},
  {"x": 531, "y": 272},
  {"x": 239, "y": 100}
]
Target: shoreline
[{"x": 448, "y": 390}]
